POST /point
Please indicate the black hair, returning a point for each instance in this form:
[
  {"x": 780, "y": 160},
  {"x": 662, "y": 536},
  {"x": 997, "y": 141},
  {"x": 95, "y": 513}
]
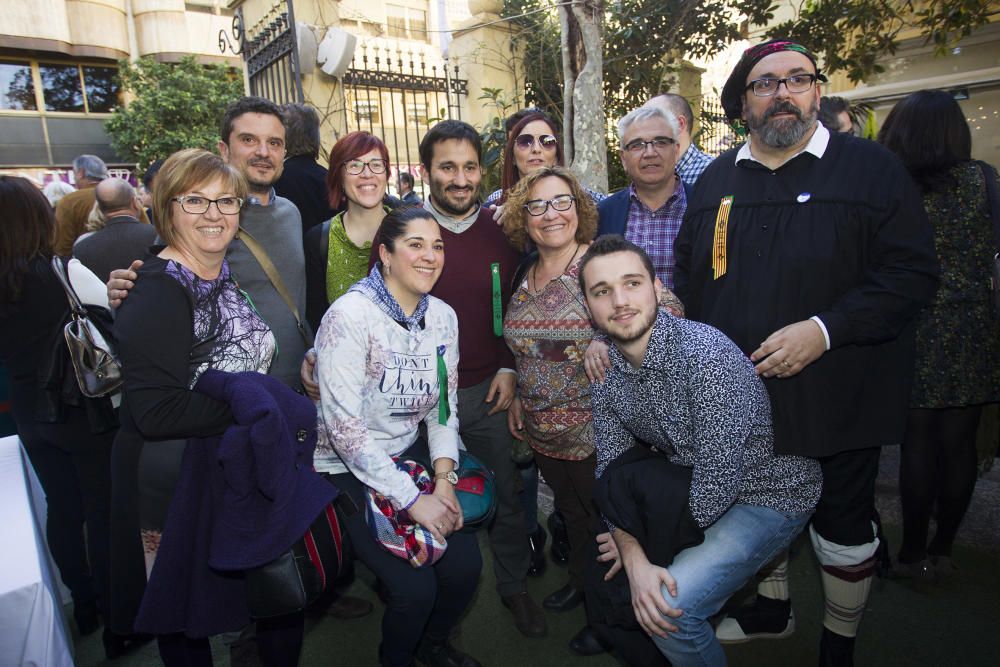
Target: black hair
[
  {"x": 395, "y": 222},
  {"x": 26, "y": 233},
  {"x": 445, "y": 130},
  {"x": 147, "y": 178},
  {"x": 831, "y": 106},
  {"x": 515, "y": 118},
  {"x": 609, "y": 244},
  {"x": 406, "y": 177},
  {"x": 246, "y": 105},
  {"x": 929, "y": 133},
  {"x": 301, "y": 130}
]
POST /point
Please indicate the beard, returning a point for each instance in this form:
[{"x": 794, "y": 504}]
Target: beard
[
  {"x": 783, "y": 133},
  {"x": 444, "y": 203},
  {"x": 623, "y": 336},
  {"x": 259, "y": 186}
]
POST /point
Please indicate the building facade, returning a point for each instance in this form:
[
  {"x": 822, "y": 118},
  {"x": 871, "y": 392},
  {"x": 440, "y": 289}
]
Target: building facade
[{"x": 58, "y": 70}]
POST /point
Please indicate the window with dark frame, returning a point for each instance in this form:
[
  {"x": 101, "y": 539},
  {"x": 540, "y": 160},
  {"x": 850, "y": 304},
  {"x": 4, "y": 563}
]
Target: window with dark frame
[
  {"x": 66, "y": 87},
  {"x": 17, "y": 88}
]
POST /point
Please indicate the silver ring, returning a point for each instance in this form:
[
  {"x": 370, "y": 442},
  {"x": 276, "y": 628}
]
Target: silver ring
[{"x": 785, "y": 363}]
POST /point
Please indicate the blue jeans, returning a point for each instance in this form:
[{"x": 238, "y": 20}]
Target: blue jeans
[{"x": 743, "y": 540}]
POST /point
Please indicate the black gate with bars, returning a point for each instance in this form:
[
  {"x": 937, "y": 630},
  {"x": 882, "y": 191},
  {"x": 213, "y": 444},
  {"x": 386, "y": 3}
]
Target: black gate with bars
[
  {"x": 391, "y": 94},
  {"x": 714, "y": 136},
  {"x": 269, "y": 49},
  {"x": 397, "y": 96}
]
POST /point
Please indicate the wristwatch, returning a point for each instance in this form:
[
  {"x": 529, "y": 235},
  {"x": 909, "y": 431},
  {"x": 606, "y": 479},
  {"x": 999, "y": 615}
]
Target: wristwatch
[{"x": 450, "y": 476}]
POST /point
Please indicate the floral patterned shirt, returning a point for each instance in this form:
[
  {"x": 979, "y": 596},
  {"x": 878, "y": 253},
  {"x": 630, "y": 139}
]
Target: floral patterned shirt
[
  {"x": 548, "y": 332},
  {"x": 696, "y": 399},
  {"x": 377, "y": 382}
]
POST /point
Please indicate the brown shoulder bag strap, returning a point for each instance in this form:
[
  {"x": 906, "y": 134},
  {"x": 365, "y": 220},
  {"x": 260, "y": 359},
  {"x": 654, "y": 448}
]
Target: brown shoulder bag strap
[{"x": 272, "y": 274}]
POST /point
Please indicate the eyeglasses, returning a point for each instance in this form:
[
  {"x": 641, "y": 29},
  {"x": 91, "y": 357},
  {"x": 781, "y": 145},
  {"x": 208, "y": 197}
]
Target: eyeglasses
[
  {"x": 638, "y": 147},
  {"x": 376, "y": 165},
  {"x": 797, "y": 83},
  {"x": 545, "y": 141},
  {"x": 538, "y": 207},
  {"x": 197, "y": 205}
]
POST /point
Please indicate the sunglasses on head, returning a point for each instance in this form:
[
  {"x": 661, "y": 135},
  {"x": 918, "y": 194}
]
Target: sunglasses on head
[{"x": 545, "y": 141}]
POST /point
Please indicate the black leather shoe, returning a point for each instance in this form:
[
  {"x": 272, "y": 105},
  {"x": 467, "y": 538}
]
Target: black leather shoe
[
  {"x": 560, "y": 538},
  {"x": 528, "y": 617},
  {"x": 564, "y": 599},
  {"x": 443, "y": 654},
  {"x": 536, "y": 541},
  {"x": 348, "y": 606},
  {"x": 115, "y": 646},
  {"x": 585, "y": 642}
]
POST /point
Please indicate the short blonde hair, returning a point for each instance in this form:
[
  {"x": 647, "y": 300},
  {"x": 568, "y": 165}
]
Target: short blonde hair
[
  {"x": 182, "y": 171},
  {"x": 515, "y": 217}
]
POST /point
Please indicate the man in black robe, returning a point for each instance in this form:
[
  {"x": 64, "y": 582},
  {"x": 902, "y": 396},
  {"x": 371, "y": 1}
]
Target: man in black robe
[{"x": 813, "y": 253}]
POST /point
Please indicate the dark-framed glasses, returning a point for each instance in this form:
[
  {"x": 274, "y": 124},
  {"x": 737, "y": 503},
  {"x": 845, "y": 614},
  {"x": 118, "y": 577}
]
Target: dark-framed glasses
[
  {"x": 545, "y": 141},
  {"x": 538, "y": 207},
  {"x": 767, "y": 86},
  {"x": 354, "y": 167},
  {"x": 658, "y": 144},
  {"x": 196, "y": 204}
]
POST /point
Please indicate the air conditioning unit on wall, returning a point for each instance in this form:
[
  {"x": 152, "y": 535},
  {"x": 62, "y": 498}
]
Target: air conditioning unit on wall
[{"x": 336, "y": 52}]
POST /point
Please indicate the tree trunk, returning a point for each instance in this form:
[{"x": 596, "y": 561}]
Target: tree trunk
[{"x": 584, "y": 125}]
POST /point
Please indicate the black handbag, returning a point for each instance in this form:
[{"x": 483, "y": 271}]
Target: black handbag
[
  {"x": 88, "y": 337},
  {"x": 296, "y": 578}
]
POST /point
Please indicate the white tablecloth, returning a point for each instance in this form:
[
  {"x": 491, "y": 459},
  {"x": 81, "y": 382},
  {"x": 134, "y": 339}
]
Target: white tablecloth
[{"x": 32, "y": 627}]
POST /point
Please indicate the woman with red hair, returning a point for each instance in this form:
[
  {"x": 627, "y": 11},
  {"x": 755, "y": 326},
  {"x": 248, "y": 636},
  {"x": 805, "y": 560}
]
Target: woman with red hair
[{"x": 337, "y": 251}]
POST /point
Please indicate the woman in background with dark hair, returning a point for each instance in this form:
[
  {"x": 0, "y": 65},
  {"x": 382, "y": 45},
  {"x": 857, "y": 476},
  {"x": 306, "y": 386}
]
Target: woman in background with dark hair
[
  {"x": 337, "y": 252},
  {"x": 958, "y": 334},
  {"x": 70, "y": 452}
]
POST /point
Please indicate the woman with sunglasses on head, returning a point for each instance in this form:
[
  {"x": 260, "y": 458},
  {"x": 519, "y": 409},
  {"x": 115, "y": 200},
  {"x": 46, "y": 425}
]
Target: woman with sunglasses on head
[
  {"x": 337, "y": 251},
  {"x": 387, "y": 363},
  {"x": 532, "y": 143}
]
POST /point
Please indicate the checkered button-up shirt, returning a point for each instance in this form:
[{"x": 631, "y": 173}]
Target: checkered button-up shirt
[
  {"x": 692, "y": 163},
  {"x": 655, "y": 231}
]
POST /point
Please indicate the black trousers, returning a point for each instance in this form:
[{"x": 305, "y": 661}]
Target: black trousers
[
  {"x": 572, "y": 484},
  {"x": 74, "y": 468},
  {"x": 422, "y": 602}
]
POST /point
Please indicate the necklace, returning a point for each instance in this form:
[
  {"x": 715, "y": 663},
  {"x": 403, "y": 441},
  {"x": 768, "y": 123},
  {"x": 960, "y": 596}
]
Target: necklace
[{"x": 534, "y": 268}]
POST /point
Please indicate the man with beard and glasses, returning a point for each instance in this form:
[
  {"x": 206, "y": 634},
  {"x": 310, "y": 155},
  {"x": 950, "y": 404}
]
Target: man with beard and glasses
[
  {"x": 712, "y": 487},
  {"x": 812, "y": 251},
  {"x": 476, "y": 282}
]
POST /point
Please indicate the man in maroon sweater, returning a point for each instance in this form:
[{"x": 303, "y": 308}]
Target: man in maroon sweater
[{"x": 476, "y": 279}]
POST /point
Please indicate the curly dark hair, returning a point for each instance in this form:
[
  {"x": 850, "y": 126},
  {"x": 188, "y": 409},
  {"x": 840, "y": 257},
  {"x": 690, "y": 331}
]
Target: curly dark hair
[{"x": 515, "y": 217}]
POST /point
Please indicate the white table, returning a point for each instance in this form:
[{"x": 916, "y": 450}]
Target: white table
[{"x": 32, "y": 627}]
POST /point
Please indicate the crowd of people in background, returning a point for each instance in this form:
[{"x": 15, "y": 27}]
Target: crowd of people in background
[{"x": 701, "y": 366}]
